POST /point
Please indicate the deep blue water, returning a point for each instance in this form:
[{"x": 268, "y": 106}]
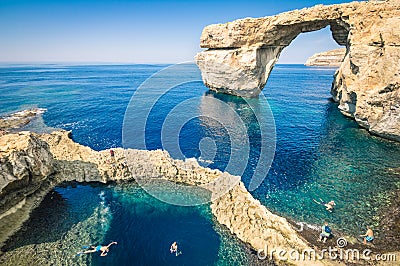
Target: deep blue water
[{"x": 319, "y": 154}]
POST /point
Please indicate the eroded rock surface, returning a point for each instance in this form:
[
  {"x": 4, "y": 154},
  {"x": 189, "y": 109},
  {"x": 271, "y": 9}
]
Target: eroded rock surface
[
  {"x": 247, "y": 218},
  {"x": 54, "y": 158},
  {"x": 241, "y": 54},
  {"x": 25, "y": 162}
]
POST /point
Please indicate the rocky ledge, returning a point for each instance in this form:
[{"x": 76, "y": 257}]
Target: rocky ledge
[
  {"x": 241, "y": 54},
  {"x": 32, "y": 164},
  {"x": 332, "y": 58}
]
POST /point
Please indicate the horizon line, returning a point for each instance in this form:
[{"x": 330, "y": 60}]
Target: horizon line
[{"x": 109, "y": 63}]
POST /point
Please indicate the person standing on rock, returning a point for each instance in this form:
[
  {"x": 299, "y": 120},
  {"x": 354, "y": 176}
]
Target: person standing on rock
[{"x": 112, "y": 154}]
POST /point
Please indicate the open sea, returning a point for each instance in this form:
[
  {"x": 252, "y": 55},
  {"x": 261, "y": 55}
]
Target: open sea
[{"x": 319, "y": 154}]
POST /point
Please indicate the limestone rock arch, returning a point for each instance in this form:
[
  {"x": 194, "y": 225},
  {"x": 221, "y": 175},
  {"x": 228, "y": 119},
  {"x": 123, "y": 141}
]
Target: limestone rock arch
[{"x": 241, "y": 54}]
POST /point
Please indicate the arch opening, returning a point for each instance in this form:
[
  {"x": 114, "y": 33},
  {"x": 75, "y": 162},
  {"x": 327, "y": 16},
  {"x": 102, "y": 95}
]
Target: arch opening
[
  {"x": 243, "y": 69},
  {"x": 242, "y": 53},
  {"x": 308, "y": 44}
]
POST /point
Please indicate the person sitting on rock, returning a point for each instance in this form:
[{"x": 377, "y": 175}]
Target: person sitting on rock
[
  {"x": 326, "y": 232},
  {"x": 368, "y": 236}
]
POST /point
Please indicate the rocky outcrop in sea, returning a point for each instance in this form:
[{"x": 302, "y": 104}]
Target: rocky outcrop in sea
[
  {"x": 331, "y": 58},
  {"x": 241, "y": 54},
  {"x": 19, "y": 119}
]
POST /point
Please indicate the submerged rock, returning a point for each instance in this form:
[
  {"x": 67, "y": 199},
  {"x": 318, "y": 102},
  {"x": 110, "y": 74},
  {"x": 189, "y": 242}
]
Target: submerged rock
[
  {"x": 241, "y": 54},
  {"x": 19, "y": 119}
]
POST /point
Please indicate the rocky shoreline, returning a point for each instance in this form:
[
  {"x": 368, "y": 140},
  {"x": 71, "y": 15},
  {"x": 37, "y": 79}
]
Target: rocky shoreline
[
  {"x": 390, "y": 222},
  {"x": 32, "y": 164}
]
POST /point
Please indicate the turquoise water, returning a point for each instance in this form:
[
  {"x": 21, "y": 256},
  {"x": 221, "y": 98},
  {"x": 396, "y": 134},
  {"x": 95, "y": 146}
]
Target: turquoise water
[
  {"x": 143, "y": 227},
  {"x": 325, "y": 155},
  {"x": 319, "y": 154}
]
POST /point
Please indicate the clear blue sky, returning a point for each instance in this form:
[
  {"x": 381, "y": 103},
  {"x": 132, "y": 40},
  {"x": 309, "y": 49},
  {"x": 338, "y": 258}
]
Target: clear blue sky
[{"x": 129, "y": 31}]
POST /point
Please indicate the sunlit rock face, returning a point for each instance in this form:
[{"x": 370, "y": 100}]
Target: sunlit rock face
[
  {"x": 240, "y": 71},
  {"x": 241, "y": 54}
]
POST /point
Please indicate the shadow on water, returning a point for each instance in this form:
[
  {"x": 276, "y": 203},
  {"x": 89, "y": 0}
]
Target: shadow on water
[
  {"x": 55, "y": 215},
  {"x": 49, "y": 211},
  {"x": 259, "y": 133}
]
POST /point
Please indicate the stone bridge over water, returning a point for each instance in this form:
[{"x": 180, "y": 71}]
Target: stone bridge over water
[{"x": 241, "y": 54}]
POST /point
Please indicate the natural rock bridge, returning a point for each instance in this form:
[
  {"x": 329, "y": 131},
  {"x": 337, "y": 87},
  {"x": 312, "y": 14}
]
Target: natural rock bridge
[{"x": 242, "y": 53}]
